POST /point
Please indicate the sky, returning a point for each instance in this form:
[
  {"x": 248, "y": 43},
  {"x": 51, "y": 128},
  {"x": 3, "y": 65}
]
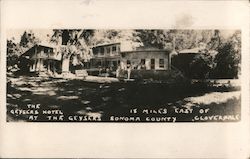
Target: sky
[
  {"x": 39, "y": 33},
  {"x": 110, "y": 14},
  {"x": 123, "y": 15}
]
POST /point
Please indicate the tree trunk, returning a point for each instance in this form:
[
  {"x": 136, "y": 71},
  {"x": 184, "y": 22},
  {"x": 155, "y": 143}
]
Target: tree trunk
[{"x": 65, "y": 65}]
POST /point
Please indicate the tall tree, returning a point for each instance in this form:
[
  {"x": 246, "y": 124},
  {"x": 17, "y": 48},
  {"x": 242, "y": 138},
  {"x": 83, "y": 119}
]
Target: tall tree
[
  {"x": 73, "y": 43},
  {"x": 183, "y": 39},
  {"x": 228, "y": 58},
  {"x": 14, "y": 50},
  {"x": 13, "y": 53},
  {"x": 153, "y": 38},
  {"x": 28, "y": 39}
]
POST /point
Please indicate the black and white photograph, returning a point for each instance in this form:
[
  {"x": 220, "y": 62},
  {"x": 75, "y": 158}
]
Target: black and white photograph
[
  {"x": 124, "y": 79},
  {"x": 136, "y": 75}
]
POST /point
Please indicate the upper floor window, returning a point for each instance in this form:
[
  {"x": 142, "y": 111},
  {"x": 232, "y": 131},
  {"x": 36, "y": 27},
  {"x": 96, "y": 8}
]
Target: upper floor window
[
  {"x": 108, "y": 50},
  {"x": 102, "y": 50},
  {"x": 114, "y": 49},
  {"x": 95, "y": 50}
]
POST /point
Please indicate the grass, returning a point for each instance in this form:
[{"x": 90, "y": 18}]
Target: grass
[{"x": 75, "y": 97}]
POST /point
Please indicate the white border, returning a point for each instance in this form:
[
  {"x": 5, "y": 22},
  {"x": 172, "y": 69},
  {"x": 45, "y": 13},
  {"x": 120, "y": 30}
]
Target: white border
[{"x": 189, "y": 140}]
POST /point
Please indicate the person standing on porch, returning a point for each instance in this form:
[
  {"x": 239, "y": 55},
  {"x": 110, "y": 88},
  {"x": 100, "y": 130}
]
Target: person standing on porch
[
  {"x": 129, "y": 71},
  {"x": 118, "y": 70}
]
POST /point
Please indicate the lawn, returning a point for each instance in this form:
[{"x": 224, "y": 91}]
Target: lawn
[{"x": 77, "y": 100}]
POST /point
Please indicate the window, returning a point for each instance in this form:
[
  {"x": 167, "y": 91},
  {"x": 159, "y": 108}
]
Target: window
[
  {"x": 114, "y": 63},
  {"x": 102, "y": 50},
  {"x": 95, "y": 50},
  {"x": 161, "y": 63},
  {"x": 143, "y": 62},
  {"x": 107, "y": 63},
  {"x": 114, "y": 49},
  {"x": 152, "y": 62},
  {"x": 99, "y": 63},
  {"x": 108, "y": 50}
]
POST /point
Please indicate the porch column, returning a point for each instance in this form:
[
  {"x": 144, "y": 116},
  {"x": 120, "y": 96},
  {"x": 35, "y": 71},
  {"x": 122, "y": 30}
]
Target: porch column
[
  {"x": 32, "y": 67},
  {"x": 37, "y": 64},
  {"x": 48, "y": 66},
  {"x": 41, "y": 65},
  {"x": 54, "y": 67}
]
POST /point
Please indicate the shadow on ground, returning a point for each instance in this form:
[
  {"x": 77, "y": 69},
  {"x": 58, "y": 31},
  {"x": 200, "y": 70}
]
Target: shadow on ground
[{"x": 76, "y": 97}]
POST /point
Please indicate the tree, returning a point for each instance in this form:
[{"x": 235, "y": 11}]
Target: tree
[
  {"x": 15, "y": 50},
  {"x": 13, "y": 53},
  {"x": 73, "y": 44},
  {"x": 28, "y": 39},
  {"x": 153, "y": 38},
  {"x": 180, "y": 39},
  {"x": 87, "y": 35},
  {"x": 228, "y": 58},
  {"x": 202, "y": 64}
]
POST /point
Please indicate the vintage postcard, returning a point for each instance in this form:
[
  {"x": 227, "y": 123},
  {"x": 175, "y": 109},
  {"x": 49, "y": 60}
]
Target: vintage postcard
[
  {"x": 136, "y": 75},
  {"x": 124, "y": 79}
]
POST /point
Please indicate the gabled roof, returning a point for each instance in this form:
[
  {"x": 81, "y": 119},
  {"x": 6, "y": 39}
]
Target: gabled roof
[{"x": 36, "y": 45}]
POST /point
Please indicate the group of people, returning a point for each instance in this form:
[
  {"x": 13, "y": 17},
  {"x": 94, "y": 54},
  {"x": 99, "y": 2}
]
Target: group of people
[{"x": 120, "y": 72}]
